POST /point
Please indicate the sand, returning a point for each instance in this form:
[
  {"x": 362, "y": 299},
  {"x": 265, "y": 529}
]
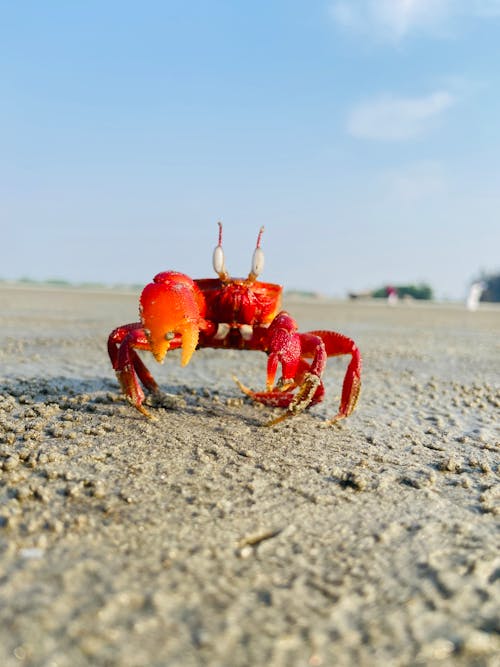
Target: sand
[{"x": 204, "y": 538}]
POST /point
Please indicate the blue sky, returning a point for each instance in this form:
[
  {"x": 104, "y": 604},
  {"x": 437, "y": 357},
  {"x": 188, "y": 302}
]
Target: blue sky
[{"x": 364, "y": 135}]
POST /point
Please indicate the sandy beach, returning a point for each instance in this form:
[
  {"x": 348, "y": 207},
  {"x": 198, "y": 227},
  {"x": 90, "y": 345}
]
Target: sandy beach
[{"x": 205, "y": 538}]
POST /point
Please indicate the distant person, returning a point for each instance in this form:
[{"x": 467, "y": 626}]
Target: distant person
[
  {"x": 474, "y": 296},
  {"x": 392, "y": 295}
]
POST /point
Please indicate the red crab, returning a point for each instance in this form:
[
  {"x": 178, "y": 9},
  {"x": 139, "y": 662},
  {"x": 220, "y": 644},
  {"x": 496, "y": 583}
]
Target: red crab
[{"x": 240, "y": 313}]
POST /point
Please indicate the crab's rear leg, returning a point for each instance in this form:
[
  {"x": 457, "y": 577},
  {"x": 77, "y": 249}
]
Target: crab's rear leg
[{"x": 337, "y": 344}]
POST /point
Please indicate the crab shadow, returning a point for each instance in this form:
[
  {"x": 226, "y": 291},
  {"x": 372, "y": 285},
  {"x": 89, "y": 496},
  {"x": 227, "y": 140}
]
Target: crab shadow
[
  {"x": 102, "y": 395},
  {"x": 43, "y": 389}
]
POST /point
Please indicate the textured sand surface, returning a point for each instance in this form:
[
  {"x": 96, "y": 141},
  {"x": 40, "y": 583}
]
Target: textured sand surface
[{"x": 203, "y": 538}]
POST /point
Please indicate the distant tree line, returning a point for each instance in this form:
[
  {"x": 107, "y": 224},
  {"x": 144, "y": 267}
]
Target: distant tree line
[
  {"x": 62, "y": 283},
  {"x": 491, "y": 282},
  {"x": 420, "y": 291}
]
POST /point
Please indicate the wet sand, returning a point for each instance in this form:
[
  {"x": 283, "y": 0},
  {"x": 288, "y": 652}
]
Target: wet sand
[{"x": 204, "y": 538}]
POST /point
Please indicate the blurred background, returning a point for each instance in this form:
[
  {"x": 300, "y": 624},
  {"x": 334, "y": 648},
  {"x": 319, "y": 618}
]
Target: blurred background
[{"x": 363, "y": 135}]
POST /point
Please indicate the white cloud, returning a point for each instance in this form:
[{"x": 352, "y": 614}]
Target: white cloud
[
  {"x": 393, "y": 20},
  {"x": 391, "y": 118}
]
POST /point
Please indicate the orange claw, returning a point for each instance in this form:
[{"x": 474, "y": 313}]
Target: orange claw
[{"x": 172, "y": 309}]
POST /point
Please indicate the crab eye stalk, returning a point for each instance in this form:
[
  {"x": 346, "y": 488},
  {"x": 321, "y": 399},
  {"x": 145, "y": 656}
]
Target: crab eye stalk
[
  {"x": 257, "y": 259},
  {"x": 257, "y": 262},
  {"x": 218, "y": 258}
]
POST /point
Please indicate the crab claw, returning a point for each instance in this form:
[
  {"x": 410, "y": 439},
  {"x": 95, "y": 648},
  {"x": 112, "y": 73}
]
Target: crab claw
[
  {"x": 172, "y": 309},
  {"x": 284, "y": 348}
]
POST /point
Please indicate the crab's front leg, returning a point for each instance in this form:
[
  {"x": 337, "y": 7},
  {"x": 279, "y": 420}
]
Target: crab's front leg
[
  {"x": 172, "y": 310},
  {"x": 130, "y": 370}
]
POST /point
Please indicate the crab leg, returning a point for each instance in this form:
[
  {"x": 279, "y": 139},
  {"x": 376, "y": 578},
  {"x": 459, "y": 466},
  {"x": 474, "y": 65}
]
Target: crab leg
[
  {"x": 287, "y": 347},
  {"x": 129, "y": 367},
  {"x": 307, "y": 379},
  {"x": 300, "y": 385},
  {"x": 332, "y": 344},
  {"x": 337, "y": 344},
  {"x": 121, "y": 344},
  {"x": 282, "y": 398}
]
